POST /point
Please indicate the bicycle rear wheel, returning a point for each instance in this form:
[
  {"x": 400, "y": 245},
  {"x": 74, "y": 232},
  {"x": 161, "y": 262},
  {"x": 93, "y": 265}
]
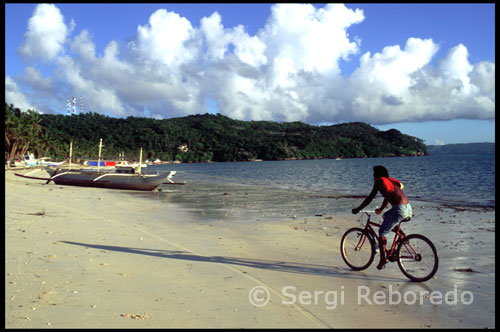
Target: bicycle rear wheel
[
  {"x": 357, "y": 249},
  {"x": 417, "y": 257}
]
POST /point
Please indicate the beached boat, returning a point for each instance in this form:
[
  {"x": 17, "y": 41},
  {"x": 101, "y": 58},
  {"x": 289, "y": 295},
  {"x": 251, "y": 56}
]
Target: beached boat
[
  {"x": 123, "y": 179},
  {"x": 118, "y": 176},
  {"x": 29, "y": 160}
]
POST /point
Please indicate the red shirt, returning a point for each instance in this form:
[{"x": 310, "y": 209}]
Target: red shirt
[{"x": 388, "y": 184}]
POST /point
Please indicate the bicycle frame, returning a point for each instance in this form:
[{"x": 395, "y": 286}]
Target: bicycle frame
[
  {"x": 415, "y": 255},
  {"x": 396, "y": 229}
]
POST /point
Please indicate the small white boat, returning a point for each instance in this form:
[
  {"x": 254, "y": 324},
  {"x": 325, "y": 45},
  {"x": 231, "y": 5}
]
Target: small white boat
[{"x": 29, "y": 160}]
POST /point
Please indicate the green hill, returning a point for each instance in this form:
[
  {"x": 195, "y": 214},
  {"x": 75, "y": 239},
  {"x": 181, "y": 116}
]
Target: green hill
[{"x": 202, "y": 138}]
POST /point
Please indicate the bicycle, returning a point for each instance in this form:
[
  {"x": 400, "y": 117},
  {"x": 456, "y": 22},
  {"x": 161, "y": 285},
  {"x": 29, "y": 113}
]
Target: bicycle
[{"x": 415, "y": 254}]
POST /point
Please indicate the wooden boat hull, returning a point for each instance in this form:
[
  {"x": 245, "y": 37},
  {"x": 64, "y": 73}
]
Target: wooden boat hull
[{"x": 111, "y": 180}]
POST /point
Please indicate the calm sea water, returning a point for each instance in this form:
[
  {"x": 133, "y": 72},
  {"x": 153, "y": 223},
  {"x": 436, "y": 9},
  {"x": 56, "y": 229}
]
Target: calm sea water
[{"x": 466, "y": 180}]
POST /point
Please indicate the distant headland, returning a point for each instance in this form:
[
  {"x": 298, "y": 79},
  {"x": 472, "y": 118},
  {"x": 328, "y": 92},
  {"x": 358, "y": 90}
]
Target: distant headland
[{"x": 465, "y": 148}]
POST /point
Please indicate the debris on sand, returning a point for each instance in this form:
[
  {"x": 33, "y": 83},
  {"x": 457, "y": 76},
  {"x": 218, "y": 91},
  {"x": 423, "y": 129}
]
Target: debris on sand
[
  {"x": 470, "y": 270},
  {"x": 137, "y": 316}
]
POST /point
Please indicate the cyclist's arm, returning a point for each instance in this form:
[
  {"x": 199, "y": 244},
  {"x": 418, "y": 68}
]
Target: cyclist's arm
[
  {"x": 384, "y": 205},
  {"x": 367, "y": 200}
]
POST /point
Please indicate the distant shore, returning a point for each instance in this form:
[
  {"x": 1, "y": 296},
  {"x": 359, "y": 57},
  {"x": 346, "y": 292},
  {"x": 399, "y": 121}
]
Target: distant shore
[
  {"x": 445, "y": 149},
  {"x": 96, "y": 258}
]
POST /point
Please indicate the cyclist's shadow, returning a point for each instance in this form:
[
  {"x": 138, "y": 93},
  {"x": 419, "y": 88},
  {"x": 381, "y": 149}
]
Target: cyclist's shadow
[{"x": 282, "y": 266}]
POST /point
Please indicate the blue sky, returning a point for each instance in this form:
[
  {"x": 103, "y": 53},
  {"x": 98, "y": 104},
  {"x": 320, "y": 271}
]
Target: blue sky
[{"x": 425, "y": 69}]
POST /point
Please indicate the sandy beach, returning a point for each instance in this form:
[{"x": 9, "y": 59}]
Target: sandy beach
[{"x": 97, "y": 258}]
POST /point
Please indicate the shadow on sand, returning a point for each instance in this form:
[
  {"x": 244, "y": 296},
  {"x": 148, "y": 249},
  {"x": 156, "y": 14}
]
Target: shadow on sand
[{"x": 281, "y": 266}]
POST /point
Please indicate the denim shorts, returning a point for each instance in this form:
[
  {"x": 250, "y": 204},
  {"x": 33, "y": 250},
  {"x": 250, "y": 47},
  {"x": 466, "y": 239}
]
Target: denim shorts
[{"x": 393, "y": 216}]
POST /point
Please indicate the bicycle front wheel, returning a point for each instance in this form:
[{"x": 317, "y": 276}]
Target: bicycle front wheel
[
  {"x": 417, "y": 258},
  {"x": 357, "y": 249}
]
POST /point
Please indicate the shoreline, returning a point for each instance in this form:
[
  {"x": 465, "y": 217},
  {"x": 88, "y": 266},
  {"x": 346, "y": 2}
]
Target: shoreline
[{"x": 88, "y": 257}]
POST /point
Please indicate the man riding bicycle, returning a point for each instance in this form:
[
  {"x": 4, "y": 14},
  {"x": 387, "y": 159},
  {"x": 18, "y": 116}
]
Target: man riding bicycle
[{"x": 392, "y": 191}]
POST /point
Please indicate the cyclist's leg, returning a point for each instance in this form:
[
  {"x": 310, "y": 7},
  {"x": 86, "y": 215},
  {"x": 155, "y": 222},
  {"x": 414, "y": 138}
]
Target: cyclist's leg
[
  {"x": 391, "y": 218},
  {"x": 382, "y": 244}
]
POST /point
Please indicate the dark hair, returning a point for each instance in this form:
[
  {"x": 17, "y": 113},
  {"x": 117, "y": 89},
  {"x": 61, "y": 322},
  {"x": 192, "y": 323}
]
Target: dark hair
[{"x": 380, "y": 171}]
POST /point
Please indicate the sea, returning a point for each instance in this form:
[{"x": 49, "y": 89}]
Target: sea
[{"x": 451, "y": 180}]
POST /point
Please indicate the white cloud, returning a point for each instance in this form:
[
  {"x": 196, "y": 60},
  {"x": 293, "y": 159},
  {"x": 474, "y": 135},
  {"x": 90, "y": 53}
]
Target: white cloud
[
  {"x": 483, "y": 77},
  {"x": 402, "y": 85},
  {"x": 83, "y": 46},
  {"x": 16, "y": 97},
  {"x": 35, "y": 79},
  {"x": 390, "y": 71},
  {"x": 279, "y": 68},
  {"x": 288, "y": 71},
  {"x": 456, "y": 67},
  {"x": 310, "y": 39},
  {"x": 46, "y": 33},
  {"x": 165, "y": 39},
  {"x": 249, "y": 49},
  {"x": 216, "y": 39},
  {"x": 97, "y": 95},
  {"x": 438, "y": 142}
]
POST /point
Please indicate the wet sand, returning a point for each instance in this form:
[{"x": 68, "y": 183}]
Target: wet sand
[{"x": 198, "y": 255}]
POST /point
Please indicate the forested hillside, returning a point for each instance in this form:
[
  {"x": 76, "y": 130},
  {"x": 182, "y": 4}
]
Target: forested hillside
[{"x": 202, "y": 138}]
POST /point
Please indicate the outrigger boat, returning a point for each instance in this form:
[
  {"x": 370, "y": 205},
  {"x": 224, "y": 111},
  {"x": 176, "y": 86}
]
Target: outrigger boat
[
  {"x": 128, "y": 178},
  {"x": 110, "y": 180}
]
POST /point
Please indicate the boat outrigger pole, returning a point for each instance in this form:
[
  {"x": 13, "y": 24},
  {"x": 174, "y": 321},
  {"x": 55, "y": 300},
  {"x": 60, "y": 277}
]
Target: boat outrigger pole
[
  {"x": 70, "y": 152},
  {"x": 140, "y": 162},
  {"x": 99, "y": 158}
]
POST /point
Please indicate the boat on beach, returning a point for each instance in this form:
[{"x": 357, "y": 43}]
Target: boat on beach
[
  {"x": 29, "y": 160},
  {"x": 121, "y": 179},
  {"x": 124, "y": 176}
]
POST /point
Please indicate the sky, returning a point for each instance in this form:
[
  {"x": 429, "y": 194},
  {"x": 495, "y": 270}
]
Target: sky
[{"x": 427, "y": 70}]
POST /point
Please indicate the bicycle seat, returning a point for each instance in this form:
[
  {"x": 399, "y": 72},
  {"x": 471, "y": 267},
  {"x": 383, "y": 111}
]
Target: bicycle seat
[{"x": 406, "y": 219}]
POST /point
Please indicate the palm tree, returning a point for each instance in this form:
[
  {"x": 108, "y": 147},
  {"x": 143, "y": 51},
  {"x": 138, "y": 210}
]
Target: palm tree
[
  {"x": 45, "y": 141},
  {"x": 9, "y": 136},
  {"x": 13, "y": 130},
  {"x": 32, "y": 132},
  {"x": 24, "y": 133}
]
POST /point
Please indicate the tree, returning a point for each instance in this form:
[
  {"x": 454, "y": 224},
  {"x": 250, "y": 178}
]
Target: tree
[
  {"x": 24, "y": 133},
  {"x": 208, "y": 137}
]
